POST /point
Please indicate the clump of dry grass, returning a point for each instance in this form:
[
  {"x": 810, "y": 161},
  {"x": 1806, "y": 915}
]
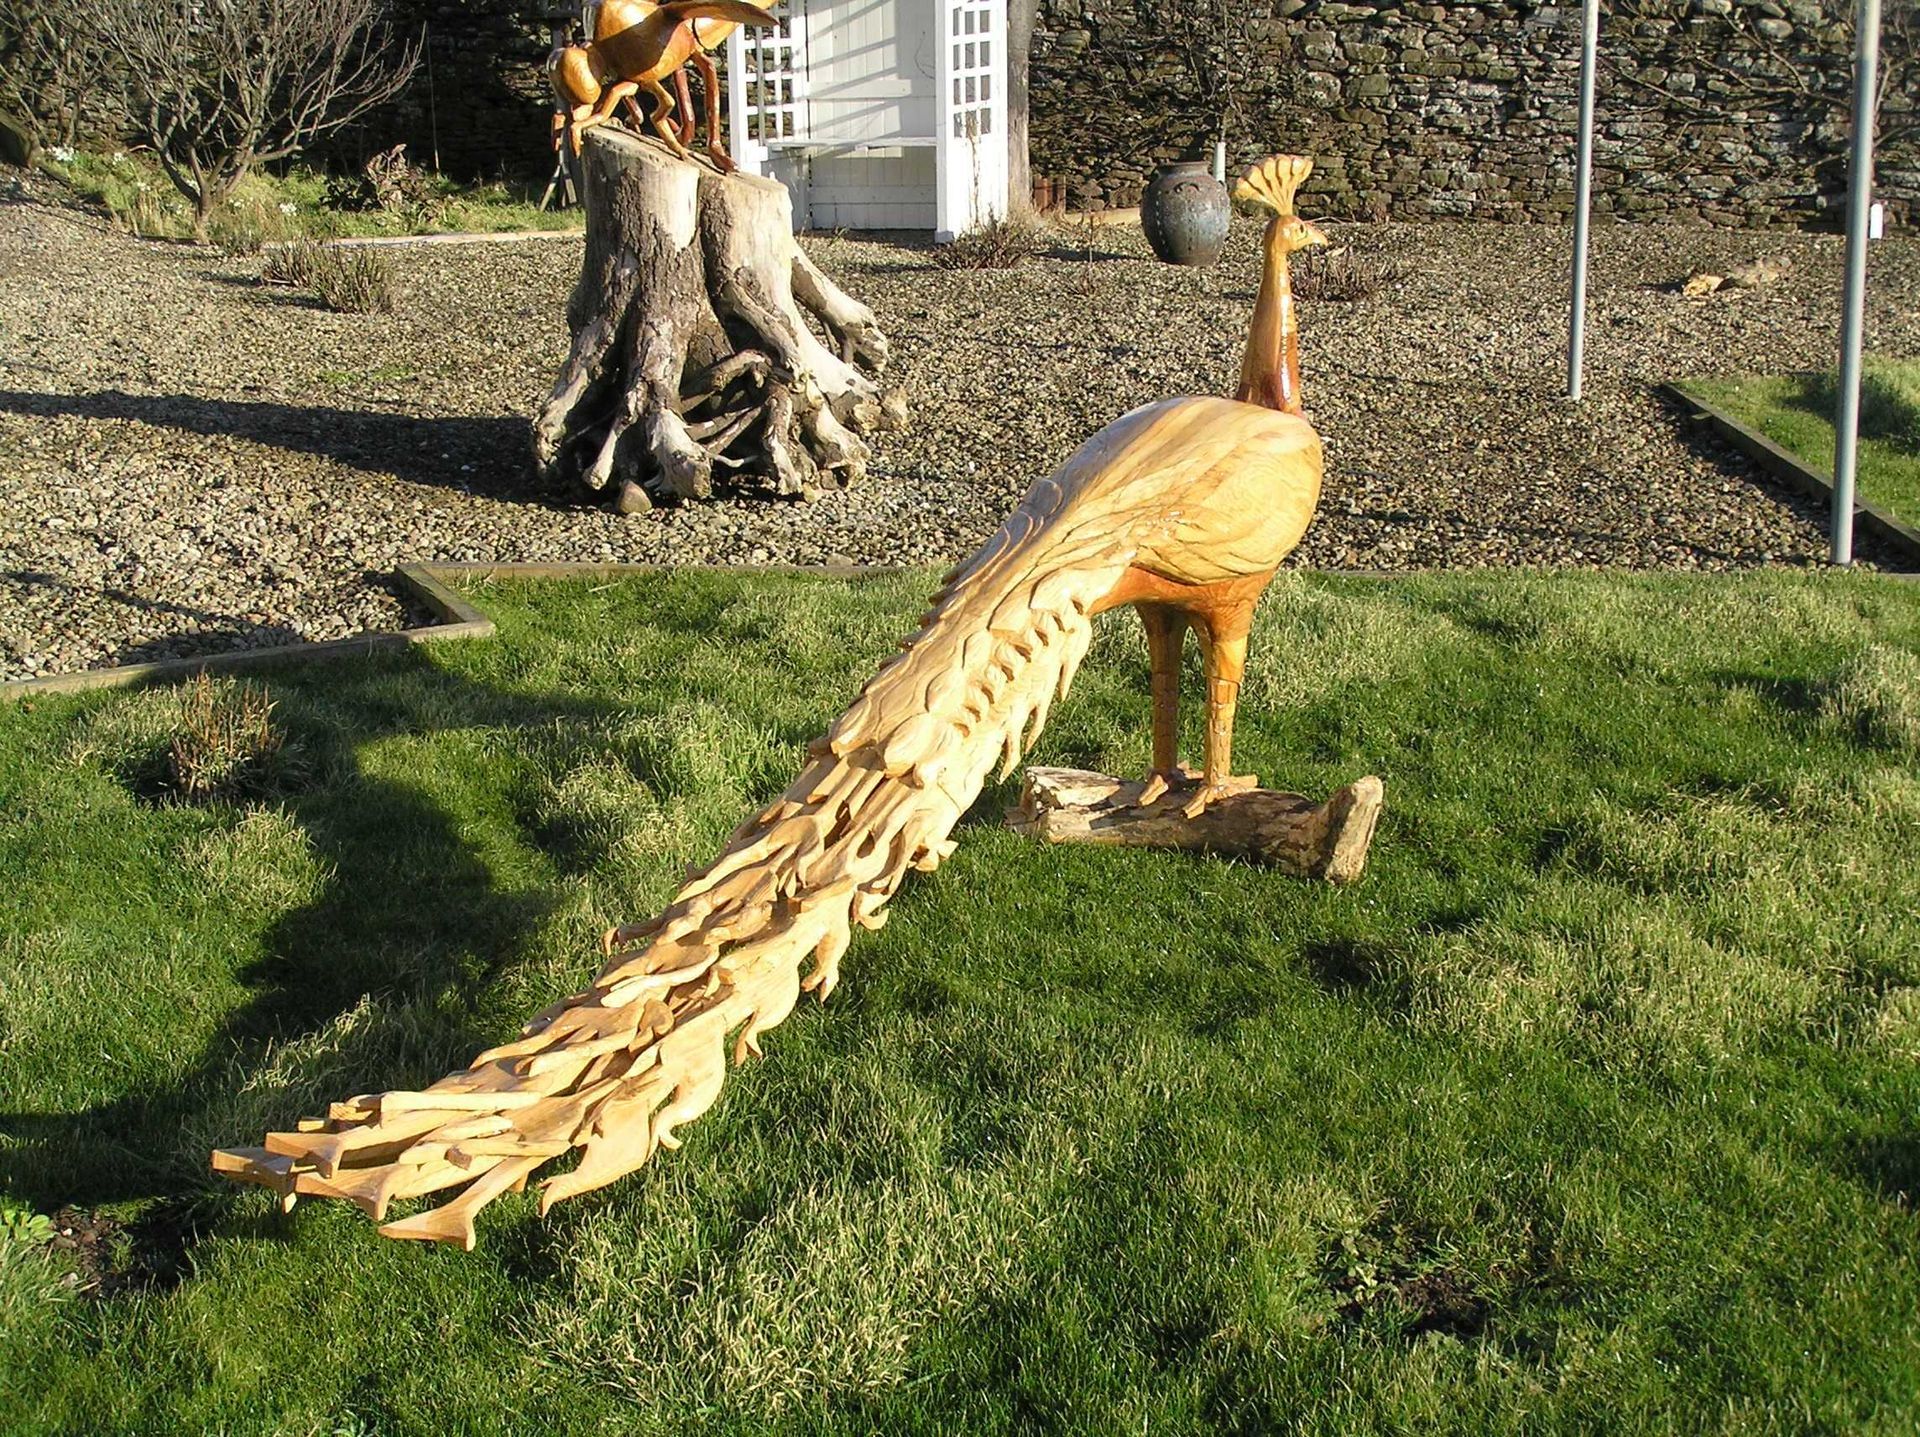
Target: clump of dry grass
[
  {"x": 1342, "y": 276},
  {"x": 1876, "y": 694},
  {"x": 144, "y": 215},
  {"x": 248, "y": 223},
  {"x": 227, "y": 748},
  {"x": 350, "y": 279}
]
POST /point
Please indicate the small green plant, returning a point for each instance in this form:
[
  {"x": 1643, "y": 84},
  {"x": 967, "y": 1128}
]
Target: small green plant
[
  {"x": 1342, "y": 276},
  {"x": 391, "y": 184},
  {"x": 366, "y": 378},
  {"x": 227, "y": 747},
  {"x": 355, "y": 281},
  {"x": 21, "y": 1225},
  {"x": 1002, "y": 243}
]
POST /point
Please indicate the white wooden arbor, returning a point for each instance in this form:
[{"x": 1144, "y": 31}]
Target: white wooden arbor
[{"x": 877, "y": 114}]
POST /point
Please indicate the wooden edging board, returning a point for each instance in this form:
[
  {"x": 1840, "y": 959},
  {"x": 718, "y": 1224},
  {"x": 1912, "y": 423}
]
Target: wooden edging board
[
  {"x": 424, "y": 583},
  {"x": 459, "y": 619},
  {"x": 1793, "y": 470}
]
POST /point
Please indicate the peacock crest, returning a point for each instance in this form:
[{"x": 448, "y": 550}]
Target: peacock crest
[{"x": 1274, "y": 182}]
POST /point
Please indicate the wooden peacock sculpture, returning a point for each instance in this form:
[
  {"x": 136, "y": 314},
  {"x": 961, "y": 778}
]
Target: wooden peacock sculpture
[{"x": 1183, "y": 508}]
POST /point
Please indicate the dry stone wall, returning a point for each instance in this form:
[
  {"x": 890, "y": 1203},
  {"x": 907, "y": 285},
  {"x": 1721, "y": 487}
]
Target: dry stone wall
[
  {"x": 479, "y": 100},
  {"x": 1711, "y": 111}
]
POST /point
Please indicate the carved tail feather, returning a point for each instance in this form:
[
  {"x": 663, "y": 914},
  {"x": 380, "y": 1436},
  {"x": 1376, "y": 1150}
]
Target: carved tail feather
[
  {"x": 616, "y": 1069},
  {"x": 737, "y": 11}
]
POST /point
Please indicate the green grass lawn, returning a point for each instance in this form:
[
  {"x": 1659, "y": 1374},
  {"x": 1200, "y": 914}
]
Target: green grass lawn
[
  {"x": 1795, "y": 411},
  {"x": 1594, "y": 1107}
]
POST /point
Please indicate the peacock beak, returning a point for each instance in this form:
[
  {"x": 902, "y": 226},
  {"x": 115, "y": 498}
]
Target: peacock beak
[{"x": 1311, "y": 235}]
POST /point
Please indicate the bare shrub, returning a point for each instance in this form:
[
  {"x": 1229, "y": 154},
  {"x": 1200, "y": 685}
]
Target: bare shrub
[
  {"x": 219, "y": 86},
  {"x": 1342, "y": 276},
  {"x": 44, "y": 70},
  {"x": 1748, "y": 68},
  {"x": 293, "y": 265},
  {"x": 1001, "y": 243}
]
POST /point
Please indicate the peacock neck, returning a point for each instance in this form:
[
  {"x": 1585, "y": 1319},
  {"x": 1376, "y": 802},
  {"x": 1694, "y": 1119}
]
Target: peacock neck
[{"x": 1270, "y": 369}]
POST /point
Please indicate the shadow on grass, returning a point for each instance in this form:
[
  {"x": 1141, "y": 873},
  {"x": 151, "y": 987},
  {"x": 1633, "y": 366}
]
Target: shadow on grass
[
  {"x": 409, "y": 913},
  {"x": 1889, "y": 1165}
]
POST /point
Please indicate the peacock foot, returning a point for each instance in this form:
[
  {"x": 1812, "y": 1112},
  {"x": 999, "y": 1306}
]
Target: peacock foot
[
  {"x": 1211, "y": 793},
  {"x": 1161, "y": 781}
]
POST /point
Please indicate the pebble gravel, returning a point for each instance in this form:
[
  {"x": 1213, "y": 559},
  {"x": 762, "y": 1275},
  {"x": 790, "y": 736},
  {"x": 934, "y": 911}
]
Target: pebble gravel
[{"x": 194, "y": 462}]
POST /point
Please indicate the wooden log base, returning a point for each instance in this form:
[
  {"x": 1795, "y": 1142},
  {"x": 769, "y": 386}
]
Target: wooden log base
[
  {"x": 1286, "y": 830},
  {"x": 705, "y": 341}
]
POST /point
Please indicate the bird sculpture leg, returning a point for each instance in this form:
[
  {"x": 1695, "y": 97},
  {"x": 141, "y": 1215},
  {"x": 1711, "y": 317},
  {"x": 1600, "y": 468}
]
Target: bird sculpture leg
[
  {"x": 680, "y": 88},
  {"x": 710, "y": 86},
  {"x": 586, "y": 117},
  {"x": 1166, "y": 628},
  {"x": 663, "y": 118},
  {"x": 1222, "y": 629}
]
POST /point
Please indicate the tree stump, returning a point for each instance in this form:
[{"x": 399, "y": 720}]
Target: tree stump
[
  {"x": 692, "y": 348},
  {"x": 1326, "y": 841}
]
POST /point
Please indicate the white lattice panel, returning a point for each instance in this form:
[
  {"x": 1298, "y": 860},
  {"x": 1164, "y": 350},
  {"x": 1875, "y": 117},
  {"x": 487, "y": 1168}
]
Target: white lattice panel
[
  {"x": 972, "y": 137},
  {"x": 767, "y": 87}
]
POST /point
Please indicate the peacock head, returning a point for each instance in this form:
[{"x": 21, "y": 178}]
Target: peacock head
[{"x": 1272, "y": 184}]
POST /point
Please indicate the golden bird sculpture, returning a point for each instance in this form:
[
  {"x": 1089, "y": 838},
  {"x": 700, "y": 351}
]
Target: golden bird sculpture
[
  {"x": 611, "y": 17},
  {"x": 623, "y": 59},
  {"x": 1183, "y": 508}
]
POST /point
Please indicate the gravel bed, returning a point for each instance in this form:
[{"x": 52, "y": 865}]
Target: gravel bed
[{"x": 194, "y": 462}]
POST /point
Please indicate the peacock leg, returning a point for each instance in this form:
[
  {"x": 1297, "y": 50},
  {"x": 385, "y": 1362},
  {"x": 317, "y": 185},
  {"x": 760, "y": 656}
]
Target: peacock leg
[
  {"x": 1166, "y": 628},
  {"x": 1223, "y": 644}
]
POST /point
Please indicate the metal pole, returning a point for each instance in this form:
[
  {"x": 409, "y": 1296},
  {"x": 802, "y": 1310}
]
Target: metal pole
[
  {"x": 1582, "y": 194},
  {"x": 1846, "y": 422}
]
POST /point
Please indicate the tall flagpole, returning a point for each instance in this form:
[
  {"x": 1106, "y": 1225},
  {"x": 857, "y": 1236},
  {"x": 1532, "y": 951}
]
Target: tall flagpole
[
  {"x": 1846, "y": 422},
  {"x": 1582, "y": 198}
]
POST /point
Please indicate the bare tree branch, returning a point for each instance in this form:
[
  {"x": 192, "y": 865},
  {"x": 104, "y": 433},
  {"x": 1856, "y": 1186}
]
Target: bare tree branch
[
  {"x": 1748, "y": 59},
  {"x": 43, "y": 67},
  {"x": 219, "y": 86}
]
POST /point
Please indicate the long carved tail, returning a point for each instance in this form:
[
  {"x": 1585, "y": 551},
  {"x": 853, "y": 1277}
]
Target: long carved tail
[{"x": 615, "y": 1070}]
